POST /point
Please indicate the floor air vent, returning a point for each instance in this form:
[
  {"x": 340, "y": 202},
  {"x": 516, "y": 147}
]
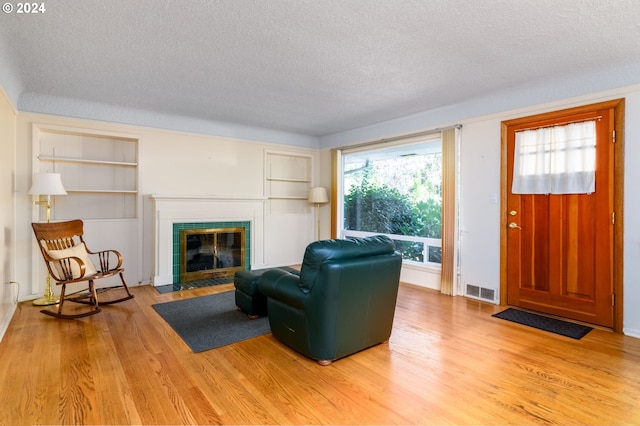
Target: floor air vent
[
  {"x": 473, "y": 290},
  {"x": 487, "y": 294},
  {"x": 480, "y": 292}
]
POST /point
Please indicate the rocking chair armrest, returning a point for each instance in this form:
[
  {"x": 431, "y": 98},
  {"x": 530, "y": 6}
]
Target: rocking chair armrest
[
  {"x": 104, "y": 256},
  {"x": 65, "y": 267}
]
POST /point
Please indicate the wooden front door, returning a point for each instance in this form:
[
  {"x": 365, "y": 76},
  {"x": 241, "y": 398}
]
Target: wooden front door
[{"x": 560, "y": 248}]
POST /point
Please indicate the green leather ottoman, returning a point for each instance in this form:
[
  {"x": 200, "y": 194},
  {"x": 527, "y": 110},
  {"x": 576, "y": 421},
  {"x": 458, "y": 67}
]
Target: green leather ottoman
[{"x": 248, "y": 297}]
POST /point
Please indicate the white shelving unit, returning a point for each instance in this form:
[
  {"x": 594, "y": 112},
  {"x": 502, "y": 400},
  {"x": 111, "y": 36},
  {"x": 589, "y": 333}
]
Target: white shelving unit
[
  {"x": 289, "y": 219},
  {"x": 287, "y": 182},
  {"x": 99, "y": 171}
]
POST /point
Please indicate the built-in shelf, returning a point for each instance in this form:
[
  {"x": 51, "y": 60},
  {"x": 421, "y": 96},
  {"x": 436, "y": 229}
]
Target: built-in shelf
[
  {"x": 103, "y": 191},
  {"x": 87, "y": 161},
  {"x": 287, "y": 198},
  {"x": 288, "y": 180},
  {"x": 99, "y": 170}
]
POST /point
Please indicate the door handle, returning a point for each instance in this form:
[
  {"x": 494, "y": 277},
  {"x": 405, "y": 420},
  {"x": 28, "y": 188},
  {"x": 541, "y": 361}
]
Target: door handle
[{"x": 514, "y": 225}]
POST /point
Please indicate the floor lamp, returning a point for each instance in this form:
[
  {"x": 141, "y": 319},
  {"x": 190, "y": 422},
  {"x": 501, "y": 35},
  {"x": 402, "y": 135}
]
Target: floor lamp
[
  {"x": 317, "y": 196},
  {"x": 47, "y": 184}
]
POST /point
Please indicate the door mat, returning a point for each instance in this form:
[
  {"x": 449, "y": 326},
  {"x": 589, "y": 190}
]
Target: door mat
[{"x": 564, "y": 328}]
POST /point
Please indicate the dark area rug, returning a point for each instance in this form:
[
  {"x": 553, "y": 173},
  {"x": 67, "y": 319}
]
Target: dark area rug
[
  {"x": 208, "y": 322},
  {"x": 564, "y": 328}
]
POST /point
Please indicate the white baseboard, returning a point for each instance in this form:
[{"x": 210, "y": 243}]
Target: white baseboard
[
  {"x": 631, "y": 332},
  {"x": 4, "y": 324}
]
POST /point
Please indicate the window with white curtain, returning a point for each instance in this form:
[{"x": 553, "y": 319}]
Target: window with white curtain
[{"x": 555, "y": 160}]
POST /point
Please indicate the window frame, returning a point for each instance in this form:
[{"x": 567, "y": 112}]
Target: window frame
[{"x": 341, "y": 232}]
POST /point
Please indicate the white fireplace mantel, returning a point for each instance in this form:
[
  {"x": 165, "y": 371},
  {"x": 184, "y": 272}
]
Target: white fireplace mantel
[
  {"x": 170, "y": 209},
  {"x": 206, "y": 198}
]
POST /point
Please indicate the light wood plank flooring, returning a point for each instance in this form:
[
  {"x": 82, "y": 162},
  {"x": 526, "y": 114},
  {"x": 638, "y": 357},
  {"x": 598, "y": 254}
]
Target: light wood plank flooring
[{"x": 447, "y": 362}]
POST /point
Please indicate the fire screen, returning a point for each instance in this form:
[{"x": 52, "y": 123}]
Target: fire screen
[{"x": 211, "y": 253}]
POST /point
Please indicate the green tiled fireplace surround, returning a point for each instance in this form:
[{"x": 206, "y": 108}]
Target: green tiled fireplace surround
[{"x": 177, "y": 227}]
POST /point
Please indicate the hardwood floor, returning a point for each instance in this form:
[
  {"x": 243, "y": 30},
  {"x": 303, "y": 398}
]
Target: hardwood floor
[{"x": 447, "y": 362}]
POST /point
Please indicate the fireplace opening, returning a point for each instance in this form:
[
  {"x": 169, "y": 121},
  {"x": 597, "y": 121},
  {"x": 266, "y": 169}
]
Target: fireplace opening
[{"x": 211, "y": 253}]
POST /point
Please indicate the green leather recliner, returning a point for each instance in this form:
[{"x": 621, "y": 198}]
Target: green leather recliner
[{"x": 343, "y": 301}]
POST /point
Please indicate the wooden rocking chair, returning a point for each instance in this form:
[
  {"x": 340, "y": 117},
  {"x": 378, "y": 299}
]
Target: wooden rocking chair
[{"x": 67, "y": 258}]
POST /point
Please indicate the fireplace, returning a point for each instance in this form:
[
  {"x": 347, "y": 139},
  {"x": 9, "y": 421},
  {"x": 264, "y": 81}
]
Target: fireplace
[
  {"x": 211, "y": 253},
  {"x": 204, "y": 250}
]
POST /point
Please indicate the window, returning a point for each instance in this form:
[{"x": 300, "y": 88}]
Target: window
[{"x": 397, "y": 191}]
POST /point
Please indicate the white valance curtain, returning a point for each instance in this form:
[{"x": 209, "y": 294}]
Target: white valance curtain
[{"x": 555, "y": 160}]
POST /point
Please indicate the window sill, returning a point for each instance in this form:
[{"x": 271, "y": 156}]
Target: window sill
[{"x": 421, "y": 268}]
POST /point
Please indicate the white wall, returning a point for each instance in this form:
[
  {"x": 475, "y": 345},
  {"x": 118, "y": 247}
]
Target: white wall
[
  {"x": 7, "y": 217},
  {"x": 223, "y": 166},
  {"x": 479, "y": 214},
  {"x": 170, "y": 164},
  {"x": 480, "y": 218},
  {"x": 631, "y": 322},
  {"x": 480, "y": 181}
]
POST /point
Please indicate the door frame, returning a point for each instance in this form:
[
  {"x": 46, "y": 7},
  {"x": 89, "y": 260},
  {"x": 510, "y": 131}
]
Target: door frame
[{"x": 618, "y": 105}]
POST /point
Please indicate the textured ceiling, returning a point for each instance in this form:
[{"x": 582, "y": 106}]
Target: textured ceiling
[{"x": 310, "y": 67}]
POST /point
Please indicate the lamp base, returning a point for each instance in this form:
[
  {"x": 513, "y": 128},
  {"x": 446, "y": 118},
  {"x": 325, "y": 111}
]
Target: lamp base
[
  {"x": 48, "y": 298},
  {"x": 46, "y": 301}
]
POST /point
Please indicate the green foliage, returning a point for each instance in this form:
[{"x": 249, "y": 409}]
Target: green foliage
[
  {"x": 385, "y": 210},
  {"x": 398, "y": 197},
  {"x": 376, "y": 209}
]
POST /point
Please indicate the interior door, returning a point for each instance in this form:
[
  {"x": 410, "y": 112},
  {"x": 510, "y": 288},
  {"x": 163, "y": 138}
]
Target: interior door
[{"x": 559, "y": 248}]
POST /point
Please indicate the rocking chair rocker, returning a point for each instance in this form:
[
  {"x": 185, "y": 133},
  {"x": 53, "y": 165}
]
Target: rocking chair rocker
[{"x": 67, "y": 258}]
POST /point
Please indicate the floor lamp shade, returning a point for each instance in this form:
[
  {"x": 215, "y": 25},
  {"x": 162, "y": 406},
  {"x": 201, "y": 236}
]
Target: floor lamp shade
[
  {"x": 47, "y": 184},
  {"x": 318, "y": 195}
]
